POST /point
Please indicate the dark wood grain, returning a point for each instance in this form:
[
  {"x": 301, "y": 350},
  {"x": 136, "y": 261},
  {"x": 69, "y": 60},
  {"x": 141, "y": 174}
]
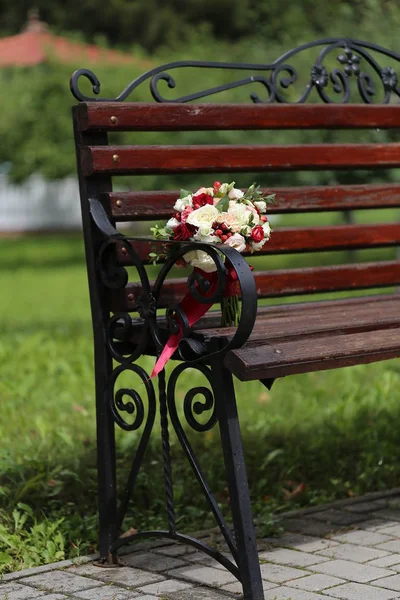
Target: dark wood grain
[
  {"x": 301, "y": 355},
  {"x": 317, "y": 336},
  {"x": 190, "y": 117},
  {"x": 287, "y": 240},
  {"x": 307, "y": 319},
  {"x": 119, "y": 160},
  {"x": 143, "y": 206},
  {"x": 285, "y": 282}
]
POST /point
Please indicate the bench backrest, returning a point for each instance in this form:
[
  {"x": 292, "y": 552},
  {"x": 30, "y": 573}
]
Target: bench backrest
[{"x": 99, "y": 162}]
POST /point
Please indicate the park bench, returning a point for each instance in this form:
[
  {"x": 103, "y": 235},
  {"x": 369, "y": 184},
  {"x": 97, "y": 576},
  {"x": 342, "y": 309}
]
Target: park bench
[{"x": 272, "y": 341}]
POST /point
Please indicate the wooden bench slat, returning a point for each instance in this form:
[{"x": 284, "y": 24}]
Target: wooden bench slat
[
  {"x": 286, "y": 240},
  {"x": 120, "y": 160},
  {"x": 192, "y": 117},
  {"x": 284, "y": 282},
  {"x": 307, "y": 319},
  {"x": 316, "y": 339},
  {"x": 158, "y": 204},
  {"x": 329, "y": 352}
]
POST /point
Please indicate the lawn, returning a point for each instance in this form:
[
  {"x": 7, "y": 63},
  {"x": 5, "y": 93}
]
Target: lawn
[{"x": 312, "y": 439}]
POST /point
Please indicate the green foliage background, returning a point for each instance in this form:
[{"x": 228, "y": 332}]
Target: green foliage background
[
  {"x": 47, "y": 456},
  {"x": 35, "y": 121}
]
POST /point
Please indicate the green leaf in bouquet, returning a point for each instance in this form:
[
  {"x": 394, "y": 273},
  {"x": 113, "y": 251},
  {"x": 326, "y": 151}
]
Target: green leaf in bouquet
[
  {"x": 185, "y": 193},
  {"x": 160, "y": 233},
  {"x": 223, "y": 204}
]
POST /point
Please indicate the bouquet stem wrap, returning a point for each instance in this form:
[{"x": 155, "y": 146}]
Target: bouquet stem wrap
[{"x": 194, "y": 310}]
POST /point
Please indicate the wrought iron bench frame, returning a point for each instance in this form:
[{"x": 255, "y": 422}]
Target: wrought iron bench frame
[{"x": 118, "y": 338}]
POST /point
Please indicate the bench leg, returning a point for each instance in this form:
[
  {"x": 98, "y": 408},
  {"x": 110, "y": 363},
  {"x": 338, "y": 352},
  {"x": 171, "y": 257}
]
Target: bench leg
[
  {"x": 231, "y": 440},
  {"x": 106, "y": 465}
]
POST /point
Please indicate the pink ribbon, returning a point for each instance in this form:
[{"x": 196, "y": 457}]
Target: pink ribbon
[{"x": 194, "y": 311}]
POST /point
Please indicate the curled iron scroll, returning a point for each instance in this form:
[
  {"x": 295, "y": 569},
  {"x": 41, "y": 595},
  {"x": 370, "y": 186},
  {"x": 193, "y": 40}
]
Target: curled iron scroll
[
  {"x": 247, "y": 286},
  {"x": 351, "y": 55}
]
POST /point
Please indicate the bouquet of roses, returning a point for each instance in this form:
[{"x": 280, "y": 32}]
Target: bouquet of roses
[{"x": 221, "y": 214}]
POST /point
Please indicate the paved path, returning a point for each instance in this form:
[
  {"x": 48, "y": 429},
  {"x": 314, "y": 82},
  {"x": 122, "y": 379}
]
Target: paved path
[{"x": 348, "y": 550}]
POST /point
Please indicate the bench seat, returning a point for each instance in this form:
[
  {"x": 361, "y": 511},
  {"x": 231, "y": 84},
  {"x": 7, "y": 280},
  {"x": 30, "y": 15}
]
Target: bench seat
[{"x": 311, "y": 336}]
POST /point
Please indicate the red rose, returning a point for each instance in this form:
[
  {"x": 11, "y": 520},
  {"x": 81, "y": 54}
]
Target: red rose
[
  {"x": 217, "y": 185},
  {"x": 201, "y": 200},
  {"x": 257, "y": 233},
  {"x": 184, "y": 231}
]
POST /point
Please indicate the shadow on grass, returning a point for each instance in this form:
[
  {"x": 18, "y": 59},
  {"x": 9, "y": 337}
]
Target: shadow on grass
[{"x": 285, "y": 471}]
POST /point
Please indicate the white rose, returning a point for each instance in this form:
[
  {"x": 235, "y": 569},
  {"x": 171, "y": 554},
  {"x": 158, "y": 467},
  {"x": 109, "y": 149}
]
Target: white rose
[
  {"x": 209, "y": 191},
  {"x": 261, "y": 205},
  {"x": 236, "y": 241},
  {"x": 256, "y": 216},
  {"x": 267, "y": 230},
  {"x": 201, "y": 260},
  {"x": 255, "y": 246},
  {"x": 235, "y": 194},
  {"x": 203, "y": 218},
  {"x": 172, "y": 223},
  {"x": 182, "y": 203},
  {"x": 240, "y": 213},
  {"x": 206, "y": 239}
]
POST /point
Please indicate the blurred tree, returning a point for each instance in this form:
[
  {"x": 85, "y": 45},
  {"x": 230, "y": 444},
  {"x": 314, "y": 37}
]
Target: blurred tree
[{"x": 156, "y": 23}]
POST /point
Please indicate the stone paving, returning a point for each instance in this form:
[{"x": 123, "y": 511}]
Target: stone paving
[{"x": 348, "y": 550}]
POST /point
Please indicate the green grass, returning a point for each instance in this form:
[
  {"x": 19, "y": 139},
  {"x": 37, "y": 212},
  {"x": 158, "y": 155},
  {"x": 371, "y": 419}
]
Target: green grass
[{"x": 313, "y": 438}]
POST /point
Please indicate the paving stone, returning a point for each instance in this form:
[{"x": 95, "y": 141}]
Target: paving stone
[
  {"x": 56, "y": 597},
  {"x": 316, "y": 582},
  {"x": 365, "y": 507},
  {"x": 280, "y": 574},
  {"x": 236, "y": 588},
  {"x": 392, "y": 546},
  {"x": 338, "y": 517},
  {"x": 176, "y": 550},
  {"x": 376, "y": 524},
  {"x": 164, "y": 587},
  {"x": 305, "y": 543},
  {"x": 207, "y": 561},
  {"x": 153, "y": 562},
  {"x": 359, "y": 591},
  {"x": 294, "y": 558},
  {"x": 129, "y": 577},
  {"x": 147, "y": 597},
  {"x": 307, "y": 526},
  {"x": 198, "y": 593},
  {"x": 393, "y": 582},
  {"x": 391, "y": 514},
  {"x": 359, "y": 554},
  {"x": 35, "y": 570},
  {"x": 363, "y": 538},
  {"x": 287, "y": 593},
  {"x": 352, "y": 571},
  {"x": 204, "y": 559},
  {"x": 126, "y": 576},
  {"x": 107, "y": 592},
  {"x": 60, "y": 581},
  {"x": 391, "y": 561},
  {"x": 15, "y": 591},
  {"x": 392, "y": 530},
  {"x": 204, "y": 575}
]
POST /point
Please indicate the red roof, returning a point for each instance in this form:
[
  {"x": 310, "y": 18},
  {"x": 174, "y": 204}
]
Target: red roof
[{"x": 35, "y": 45}]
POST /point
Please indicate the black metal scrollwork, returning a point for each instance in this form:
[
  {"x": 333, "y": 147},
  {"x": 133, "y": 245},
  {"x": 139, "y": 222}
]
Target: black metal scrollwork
[
  {"x": 134, "y": 406},
  {"x": 192, "y": 408},
  {"x": 201, "y": 291},
  {"x": 277, "y": 76}
]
